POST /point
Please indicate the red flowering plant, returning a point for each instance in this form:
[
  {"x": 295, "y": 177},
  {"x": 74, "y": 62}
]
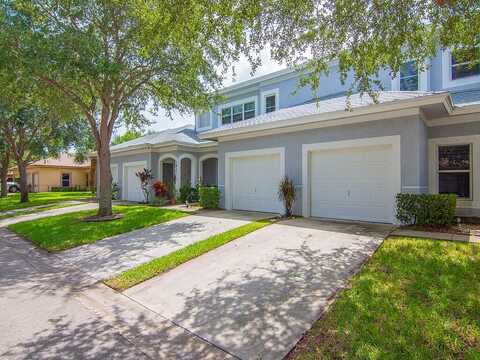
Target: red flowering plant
[{"x": 160, "y": 189}]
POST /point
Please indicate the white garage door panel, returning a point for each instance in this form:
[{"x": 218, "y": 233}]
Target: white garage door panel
[
  {"x": 352, "y": 183},
  {"x": 133, "y": 190},
  {"x": 255, "y": 181}
]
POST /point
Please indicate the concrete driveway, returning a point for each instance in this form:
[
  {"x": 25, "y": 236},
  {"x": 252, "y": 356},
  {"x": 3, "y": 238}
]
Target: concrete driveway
[
  {"x": 113, "y": 255},
  {"x": 256, "y": 296}
]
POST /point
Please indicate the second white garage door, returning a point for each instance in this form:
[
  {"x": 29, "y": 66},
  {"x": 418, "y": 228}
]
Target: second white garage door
[
  {"x": 255, "y": 181},
  {"x": 133, "y": 191},
  {"x": 353, "y": 183}
]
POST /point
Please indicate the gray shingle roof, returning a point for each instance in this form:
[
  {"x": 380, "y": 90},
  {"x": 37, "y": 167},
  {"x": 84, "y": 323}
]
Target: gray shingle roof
[
  {"x": 185, "y": 135},
  {"x": 466, "y": 97},
  {"x": 322, "y": 107}
]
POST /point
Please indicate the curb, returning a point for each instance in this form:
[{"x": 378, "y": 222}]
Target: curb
[{"x": 438, "y": 235}]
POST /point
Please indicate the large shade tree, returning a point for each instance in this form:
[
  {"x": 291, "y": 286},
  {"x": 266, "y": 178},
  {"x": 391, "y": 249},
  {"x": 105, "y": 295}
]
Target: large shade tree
[
  {"x": 32, "y": 133},
  {"x": 112, "y": 58},
  {"x": 366, "y": 36}
]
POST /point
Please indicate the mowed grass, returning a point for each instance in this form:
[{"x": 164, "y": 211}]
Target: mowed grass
[
  {"x": 12, "y": 201},
  {"x": 415, "y": 299},
  {"x": 148, "y": 270},
  {"x": 66, "y": 231}
]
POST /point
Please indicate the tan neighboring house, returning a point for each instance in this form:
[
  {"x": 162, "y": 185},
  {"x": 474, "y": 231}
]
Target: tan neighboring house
[{"x": 45, "y": 174}]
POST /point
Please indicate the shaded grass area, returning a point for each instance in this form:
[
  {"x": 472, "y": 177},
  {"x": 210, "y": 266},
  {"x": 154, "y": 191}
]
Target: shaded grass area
[
  {"x": 415, "y": 299},
  {"x": 148, "y": 270},
  {"x": 12, "y": 201},
  {"x": 66, "y": 231}
]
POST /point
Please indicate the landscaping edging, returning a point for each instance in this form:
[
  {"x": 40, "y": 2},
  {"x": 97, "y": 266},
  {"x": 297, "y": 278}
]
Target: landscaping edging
[{"x": 437, "y": 235}]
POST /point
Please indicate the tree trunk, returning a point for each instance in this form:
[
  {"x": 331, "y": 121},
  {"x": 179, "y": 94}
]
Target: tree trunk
[
  {"x": 105, "y": 182},
  {"x": 4, "y": 174},
  {"x": 22, "y": 170}
]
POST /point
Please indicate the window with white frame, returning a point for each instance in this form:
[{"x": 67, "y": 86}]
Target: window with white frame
[
  {"x": 270, "y": 103},
  {"x": 464, "y": 65},
  {"x": 66, "y": 180},
  {"x": 409, "y": 80},
  {"x": 455, "y": 170},
  {"x": 204, "y": 120},
  {"x": 238, "y": 112}
]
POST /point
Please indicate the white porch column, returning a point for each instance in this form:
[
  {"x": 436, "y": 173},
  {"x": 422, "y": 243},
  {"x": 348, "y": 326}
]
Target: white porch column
[{"x": 178, "y": 174}]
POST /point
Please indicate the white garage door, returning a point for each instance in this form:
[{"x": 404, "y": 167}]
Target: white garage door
[
  {"x": 133, "y": 192},
  {"x": 254, "y": 183},
  {"x": 353, "y": 183}
]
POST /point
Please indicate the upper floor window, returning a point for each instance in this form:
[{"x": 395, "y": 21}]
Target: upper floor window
[
  {"x": 464, "y": 66},
  {"x": 238, "y": 112},
  {"x": 409, "y": 76},
  {"x": 204, "y": 121},
  {"x": 460, "y": 68},
  {"x": 269, "y": 100}
]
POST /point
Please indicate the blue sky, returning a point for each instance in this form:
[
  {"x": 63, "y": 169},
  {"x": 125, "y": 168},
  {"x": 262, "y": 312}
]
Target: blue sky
[{"x": 242, "y": 70}]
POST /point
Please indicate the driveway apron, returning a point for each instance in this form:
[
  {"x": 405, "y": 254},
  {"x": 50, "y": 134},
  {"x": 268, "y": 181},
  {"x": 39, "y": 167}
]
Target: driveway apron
[{"x": 257, "y": 295}]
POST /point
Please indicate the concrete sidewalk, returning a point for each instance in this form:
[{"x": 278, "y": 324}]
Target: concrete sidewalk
[
  {"x": 49, "y": 310},
  {"x": 64, "y": 210},
  {"x": 113, "y": 255}
]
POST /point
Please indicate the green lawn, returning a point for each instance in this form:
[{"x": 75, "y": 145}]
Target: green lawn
[
  {"x": 12, "y": 201},
  {"x": 146, "y": 271},
  {"x": 415, "y": 299},
  {"x": 66, "y": 231}
]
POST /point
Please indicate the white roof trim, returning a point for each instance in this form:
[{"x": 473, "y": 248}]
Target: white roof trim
[{"x": 335, "y": 117}]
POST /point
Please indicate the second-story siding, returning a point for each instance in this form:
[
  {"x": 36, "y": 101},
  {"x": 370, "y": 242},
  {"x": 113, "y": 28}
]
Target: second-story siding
[{"x": 286, "y": 86}]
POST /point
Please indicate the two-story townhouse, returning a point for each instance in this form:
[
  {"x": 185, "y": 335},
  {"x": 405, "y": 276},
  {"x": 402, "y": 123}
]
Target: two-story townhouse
[{"x": 423, "y": 135}]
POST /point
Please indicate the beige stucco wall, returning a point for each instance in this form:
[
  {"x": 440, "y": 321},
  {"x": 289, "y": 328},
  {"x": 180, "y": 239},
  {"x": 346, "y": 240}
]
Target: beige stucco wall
[{"x": 51, "y": 177}]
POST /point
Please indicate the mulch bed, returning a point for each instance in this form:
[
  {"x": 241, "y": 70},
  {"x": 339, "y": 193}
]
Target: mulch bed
[{"x": 461, "y": 229}]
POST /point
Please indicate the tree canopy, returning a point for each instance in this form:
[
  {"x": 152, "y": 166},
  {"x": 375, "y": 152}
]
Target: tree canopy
[
  {"x": 366, "y": 36},
  {"x": 111, "y": 58}
]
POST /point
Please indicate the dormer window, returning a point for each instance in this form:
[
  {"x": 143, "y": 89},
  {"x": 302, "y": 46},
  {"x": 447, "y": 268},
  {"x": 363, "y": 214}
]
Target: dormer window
[
  {"x": 238, "y": 112},
  {"x": 409, "y": 76}
]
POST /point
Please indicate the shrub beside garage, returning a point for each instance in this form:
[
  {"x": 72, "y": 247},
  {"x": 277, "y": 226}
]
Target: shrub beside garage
[{"x": 437, "y": 210}]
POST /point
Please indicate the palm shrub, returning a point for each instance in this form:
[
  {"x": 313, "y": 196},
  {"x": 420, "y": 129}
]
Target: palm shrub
[{"x": 286, "y": 194}]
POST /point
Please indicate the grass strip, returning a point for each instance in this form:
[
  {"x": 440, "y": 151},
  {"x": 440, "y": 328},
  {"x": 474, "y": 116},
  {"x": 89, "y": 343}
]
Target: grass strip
[
  {"x": 415, "y": 299},
  {"x": 148, "y": 270}
]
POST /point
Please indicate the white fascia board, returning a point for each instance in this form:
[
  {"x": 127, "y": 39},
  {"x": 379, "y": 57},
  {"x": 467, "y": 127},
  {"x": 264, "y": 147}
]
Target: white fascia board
[{"x": 336, "y": 117}]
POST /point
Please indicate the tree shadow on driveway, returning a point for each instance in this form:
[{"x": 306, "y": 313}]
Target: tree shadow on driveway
[{"x": 262, "y": 309}]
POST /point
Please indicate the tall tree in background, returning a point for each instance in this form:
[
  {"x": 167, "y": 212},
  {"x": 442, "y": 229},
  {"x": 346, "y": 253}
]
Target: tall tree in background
[
  {"x": 127, "y": 136},
  {"x": 111, "y": 58},
  {"x": 33, "y": 133},
  {"x": 366, "y": 36}
]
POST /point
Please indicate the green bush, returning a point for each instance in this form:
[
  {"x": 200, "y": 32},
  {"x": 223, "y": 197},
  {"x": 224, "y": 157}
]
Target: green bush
[
  {"x": 209, "y": 197},
  {"x": 70, "y": 188},
  {"x": 426, "y": 209},
  {"x": 188, "y": 193}
]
